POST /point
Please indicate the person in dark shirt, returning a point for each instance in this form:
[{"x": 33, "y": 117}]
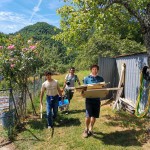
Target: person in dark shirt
[{"x": 92, "y": 105}]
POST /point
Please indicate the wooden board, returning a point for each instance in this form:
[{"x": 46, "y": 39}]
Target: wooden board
[
  {"x": 120, "y": 85},
  {"x": 97, "y": 93},
  {"x": 90, "y": 86}
]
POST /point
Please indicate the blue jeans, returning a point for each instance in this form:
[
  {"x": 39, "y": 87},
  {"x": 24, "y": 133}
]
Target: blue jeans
[{"x": 51, "y": 104}]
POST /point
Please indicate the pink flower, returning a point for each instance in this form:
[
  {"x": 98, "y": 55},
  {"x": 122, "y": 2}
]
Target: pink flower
[
  {"x": 11, "y": 47},
  {"x": 12, "y": 65},
  {"x": 32, "y": 47},
  {"x": 1, "y": 47}
]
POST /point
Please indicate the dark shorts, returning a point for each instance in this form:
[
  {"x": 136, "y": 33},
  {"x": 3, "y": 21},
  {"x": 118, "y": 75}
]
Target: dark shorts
[{"x": 92, "y": 107}]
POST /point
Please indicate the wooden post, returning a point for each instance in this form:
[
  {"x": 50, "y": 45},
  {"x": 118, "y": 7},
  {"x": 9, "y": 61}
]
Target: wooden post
[{"x": 121, "y": 84}]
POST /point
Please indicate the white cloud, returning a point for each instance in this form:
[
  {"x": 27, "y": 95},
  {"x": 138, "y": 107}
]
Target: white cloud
[
  {"x": 13, "y": 17},
  {"x": 10, "y": 28},
  {"x": 35, "y": 10},
  {"x": 12, "y": 22}
]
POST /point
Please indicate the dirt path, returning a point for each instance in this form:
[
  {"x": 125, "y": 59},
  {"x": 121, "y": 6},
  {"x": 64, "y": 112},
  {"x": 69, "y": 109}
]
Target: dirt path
[{"x": 6, "y": 145}]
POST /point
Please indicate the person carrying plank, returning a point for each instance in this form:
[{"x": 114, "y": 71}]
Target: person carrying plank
[{"x": 92, "y": 105}]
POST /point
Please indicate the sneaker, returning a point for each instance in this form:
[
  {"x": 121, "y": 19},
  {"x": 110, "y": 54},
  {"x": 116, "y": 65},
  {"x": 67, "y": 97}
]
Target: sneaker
[
  {"x": 67, "y": 113},
  {"x": 90, "y": 133},
  {"x": 49, "y": 127},
  {"x": 85, "y": 134}
]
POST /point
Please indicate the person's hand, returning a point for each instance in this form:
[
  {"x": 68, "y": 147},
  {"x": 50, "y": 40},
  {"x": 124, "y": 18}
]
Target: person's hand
[{"x": 62, "y": 90}]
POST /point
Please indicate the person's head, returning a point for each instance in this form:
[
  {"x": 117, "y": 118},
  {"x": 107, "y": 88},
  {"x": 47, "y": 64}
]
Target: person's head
[
  {"x": 48, "y": 75},
  {"x": 72, "y": 70},
  {"x": 94, "y": 69}
]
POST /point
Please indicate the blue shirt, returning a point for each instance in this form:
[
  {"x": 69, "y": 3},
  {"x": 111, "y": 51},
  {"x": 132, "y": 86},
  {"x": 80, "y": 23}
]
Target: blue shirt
[{"x": 91, "y": 79}]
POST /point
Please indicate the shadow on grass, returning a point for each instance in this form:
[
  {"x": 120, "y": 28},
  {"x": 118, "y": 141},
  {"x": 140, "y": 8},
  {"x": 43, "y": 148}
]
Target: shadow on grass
[
  {"x": 35, "y": 138},
  {"x": 39, "y": 124},
  {"x": 119, "y": 138},
  {"x": 126, "y": 120},
  {"x": 60, "y": 121},
  {"x": 75, "y": 111},
  {"x": 66, "y": 121}
]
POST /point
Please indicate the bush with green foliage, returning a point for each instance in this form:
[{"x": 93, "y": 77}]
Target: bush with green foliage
[{"x": 19, "y": 60}]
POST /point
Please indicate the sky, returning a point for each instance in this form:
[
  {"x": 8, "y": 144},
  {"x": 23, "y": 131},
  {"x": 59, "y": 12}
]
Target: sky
[{"x": 16, "y": 14}]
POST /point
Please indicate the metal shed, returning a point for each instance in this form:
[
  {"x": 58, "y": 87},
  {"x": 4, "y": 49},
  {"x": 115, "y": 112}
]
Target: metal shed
[{"x": 110, "y": 69}]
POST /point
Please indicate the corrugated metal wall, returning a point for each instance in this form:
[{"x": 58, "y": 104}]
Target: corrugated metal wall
[
  {"x": 134, "y": 64},
  {"x": 108, "y": 71}
]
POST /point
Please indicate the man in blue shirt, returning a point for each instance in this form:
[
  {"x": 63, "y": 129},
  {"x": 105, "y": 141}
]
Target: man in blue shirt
[{"x": 92, "y": 105}]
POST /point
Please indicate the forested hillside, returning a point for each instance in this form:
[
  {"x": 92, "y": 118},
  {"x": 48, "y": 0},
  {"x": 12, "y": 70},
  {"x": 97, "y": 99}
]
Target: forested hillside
[
  {"x": 52, "y": 52},
  {"x": 60, "y": 49}
]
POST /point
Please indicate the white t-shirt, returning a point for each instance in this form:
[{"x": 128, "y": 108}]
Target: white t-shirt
[{"x": 50, "y": 87}]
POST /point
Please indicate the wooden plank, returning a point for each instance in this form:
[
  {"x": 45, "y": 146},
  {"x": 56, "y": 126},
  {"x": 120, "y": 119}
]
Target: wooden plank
[
  {"x": 90, "y": 86},
  {"x": 4, "y": 102},
  {"x": 120, "y": 85},
  {"x": 117, "y": 98},
  {"x": 129, "y": 102},
  {"x": 95, "y": 93},
  {"x": 105, "y": 89}
]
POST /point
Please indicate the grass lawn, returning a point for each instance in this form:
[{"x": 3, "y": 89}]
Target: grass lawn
[{"x": 112, "y": 131}]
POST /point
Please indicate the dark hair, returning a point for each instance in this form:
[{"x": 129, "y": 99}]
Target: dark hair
[
  {"x": 48, "y": 73},
  {"x": 72, "y": 68},
  {"x": 94, "y": 66}
]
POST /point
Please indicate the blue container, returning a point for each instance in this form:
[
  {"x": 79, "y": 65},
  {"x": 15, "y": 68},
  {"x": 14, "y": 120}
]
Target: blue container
[
  {"x": 64, "y": 103},
  {"x": 7, "y": 119}
]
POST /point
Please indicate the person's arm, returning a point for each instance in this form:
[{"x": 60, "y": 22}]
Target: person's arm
[
  {"x": 64, "y": 86},
  {"x": 59, "y": 91},
  {"x": 66, "y": 77}
]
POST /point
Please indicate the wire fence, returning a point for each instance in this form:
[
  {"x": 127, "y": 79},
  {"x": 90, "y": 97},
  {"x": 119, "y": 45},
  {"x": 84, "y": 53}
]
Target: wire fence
[{"x": 13, "y": 102}]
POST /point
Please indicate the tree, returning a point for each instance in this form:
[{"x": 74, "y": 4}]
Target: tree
[
  {"x": 83, "y": 17},
  {"x": 139, "y": 9},
  {"x": 105, "y": 45},
  {"x": 19, "y": 60},
  {"x": 52, "y": 52}
]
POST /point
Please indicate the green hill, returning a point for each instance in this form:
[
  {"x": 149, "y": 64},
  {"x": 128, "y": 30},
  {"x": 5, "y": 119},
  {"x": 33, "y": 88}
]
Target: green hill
[
  {"x": 53, "y": 52},
  {"x": 40, "y": 28}
]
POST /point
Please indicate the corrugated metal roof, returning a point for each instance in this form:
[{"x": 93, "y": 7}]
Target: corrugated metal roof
[{"x": 130, "y": 54}]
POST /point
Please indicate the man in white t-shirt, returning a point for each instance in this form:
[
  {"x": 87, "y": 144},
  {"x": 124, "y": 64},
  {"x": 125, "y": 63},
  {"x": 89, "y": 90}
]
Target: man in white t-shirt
[{"x": 52, "y": 89}]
